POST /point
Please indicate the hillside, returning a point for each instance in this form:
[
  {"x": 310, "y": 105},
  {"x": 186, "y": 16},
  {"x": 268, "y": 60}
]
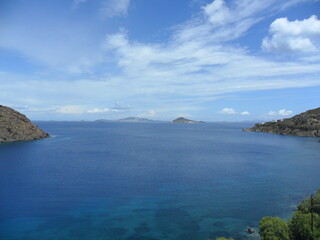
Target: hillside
[
  {"x": 306, "y": 124},
  {"x": 15, "y": 126}
]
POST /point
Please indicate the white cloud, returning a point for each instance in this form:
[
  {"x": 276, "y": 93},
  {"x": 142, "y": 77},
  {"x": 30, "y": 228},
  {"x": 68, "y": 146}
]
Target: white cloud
[
  {"x": 228, "y": 111},
  {"x": 284, "y": 112},
  {"x": 113, "y": 8},
  {"x": 281, "y": 112},
  {"x": 293, "y": 36},
  {"x": 217, "y": 12},
  {"x": 232, "y": 111},
  {"x": 310, "y": 26},
  {"x": 245, "y": 113}
]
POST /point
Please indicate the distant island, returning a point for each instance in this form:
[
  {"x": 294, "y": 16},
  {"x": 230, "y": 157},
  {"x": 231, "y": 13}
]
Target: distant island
[
  {"x": 130, "y": 120},
  {"x": 102, "y": 120},
  {"x": 15, "y": 126},
  {"x": 306, "y": 124},
  {"x": 134, "y": 119},
  {"x": 185, "y": 120}
]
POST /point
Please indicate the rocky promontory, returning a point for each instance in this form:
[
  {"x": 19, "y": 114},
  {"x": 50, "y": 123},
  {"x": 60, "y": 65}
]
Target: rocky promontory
[
  {"x": 15, "y": 126},
  {"x": 306, "y": 124},
  {"x": 185, "y": 120}
]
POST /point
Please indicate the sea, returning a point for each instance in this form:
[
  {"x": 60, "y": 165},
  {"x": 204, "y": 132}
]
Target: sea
[{"x": 151, "y": 181}]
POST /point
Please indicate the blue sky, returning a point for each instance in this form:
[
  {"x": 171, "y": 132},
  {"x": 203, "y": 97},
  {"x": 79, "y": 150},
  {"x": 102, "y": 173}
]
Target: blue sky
[{"x": 221, "y": 60}]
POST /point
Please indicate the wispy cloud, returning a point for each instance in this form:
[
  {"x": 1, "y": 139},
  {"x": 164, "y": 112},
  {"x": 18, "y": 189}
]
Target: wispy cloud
[
  {"x": 113, "y": 8},
  {"x": 194, "y": 65}
]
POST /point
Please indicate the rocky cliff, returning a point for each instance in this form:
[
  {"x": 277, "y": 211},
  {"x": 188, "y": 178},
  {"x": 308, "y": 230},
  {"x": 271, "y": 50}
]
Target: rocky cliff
[
  {"x": 306, "y": 124},
  {"x": 15, "y": 126}
]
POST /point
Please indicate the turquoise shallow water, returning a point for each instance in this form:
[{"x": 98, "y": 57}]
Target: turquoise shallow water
[{"x": 151, "y": 181}]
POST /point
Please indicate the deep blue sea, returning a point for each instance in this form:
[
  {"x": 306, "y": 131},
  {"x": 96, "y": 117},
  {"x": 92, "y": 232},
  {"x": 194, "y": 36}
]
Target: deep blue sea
[{"x": 151, "y": 181}]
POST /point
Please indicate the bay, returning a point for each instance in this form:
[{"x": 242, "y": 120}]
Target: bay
[{"x": 151, "y": 181}]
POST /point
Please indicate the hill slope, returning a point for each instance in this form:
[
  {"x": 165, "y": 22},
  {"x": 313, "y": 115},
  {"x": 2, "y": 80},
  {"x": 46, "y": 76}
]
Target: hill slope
[
  {"x": 15, "y": 126},
  {"x": 306, "y": 124}
]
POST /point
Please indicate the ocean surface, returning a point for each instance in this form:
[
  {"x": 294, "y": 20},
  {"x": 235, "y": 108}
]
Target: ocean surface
[{"x": 151, "y": 181}]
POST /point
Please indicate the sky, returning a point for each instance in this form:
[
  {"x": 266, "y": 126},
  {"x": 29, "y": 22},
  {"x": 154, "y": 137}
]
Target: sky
[{"x": 211, "y": 60}]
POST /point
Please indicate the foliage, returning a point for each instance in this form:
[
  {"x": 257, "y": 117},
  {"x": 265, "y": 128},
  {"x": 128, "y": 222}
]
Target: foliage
[
  {"x": 273, "y": 228},
  {"x": 305, "y": 205},
  {"x": 299, "y": 227}
]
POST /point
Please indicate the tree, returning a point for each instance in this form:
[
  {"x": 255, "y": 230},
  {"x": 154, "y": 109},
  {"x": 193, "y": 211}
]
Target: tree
[
  {"x": 300, "y": 227},
  {"x": 273, "y": 228},
  {"x": 305, "y": 205}
]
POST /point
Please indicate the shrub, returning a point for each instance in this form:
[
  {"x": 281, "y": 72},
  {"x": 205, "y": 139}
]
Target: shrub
[{"x": 273, "y": 228}]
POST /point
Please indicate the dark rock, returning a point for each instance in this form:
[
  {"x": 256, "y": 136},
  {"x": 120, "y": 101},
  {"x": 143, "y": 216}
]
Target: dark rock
[
  {"x": 15, "y": 126},
  {"x": 306, "y": 124},
  {"x": 250, "y": 230}
]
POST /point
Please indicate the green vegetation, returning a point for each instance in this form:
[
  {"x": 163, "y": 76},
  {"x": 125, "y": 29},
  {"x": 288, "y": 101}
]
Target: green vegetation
[
  {"x": 300, "y": 227},
  {"x": 273, "y": 228},
  {"x": 305, "y": 223}
]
